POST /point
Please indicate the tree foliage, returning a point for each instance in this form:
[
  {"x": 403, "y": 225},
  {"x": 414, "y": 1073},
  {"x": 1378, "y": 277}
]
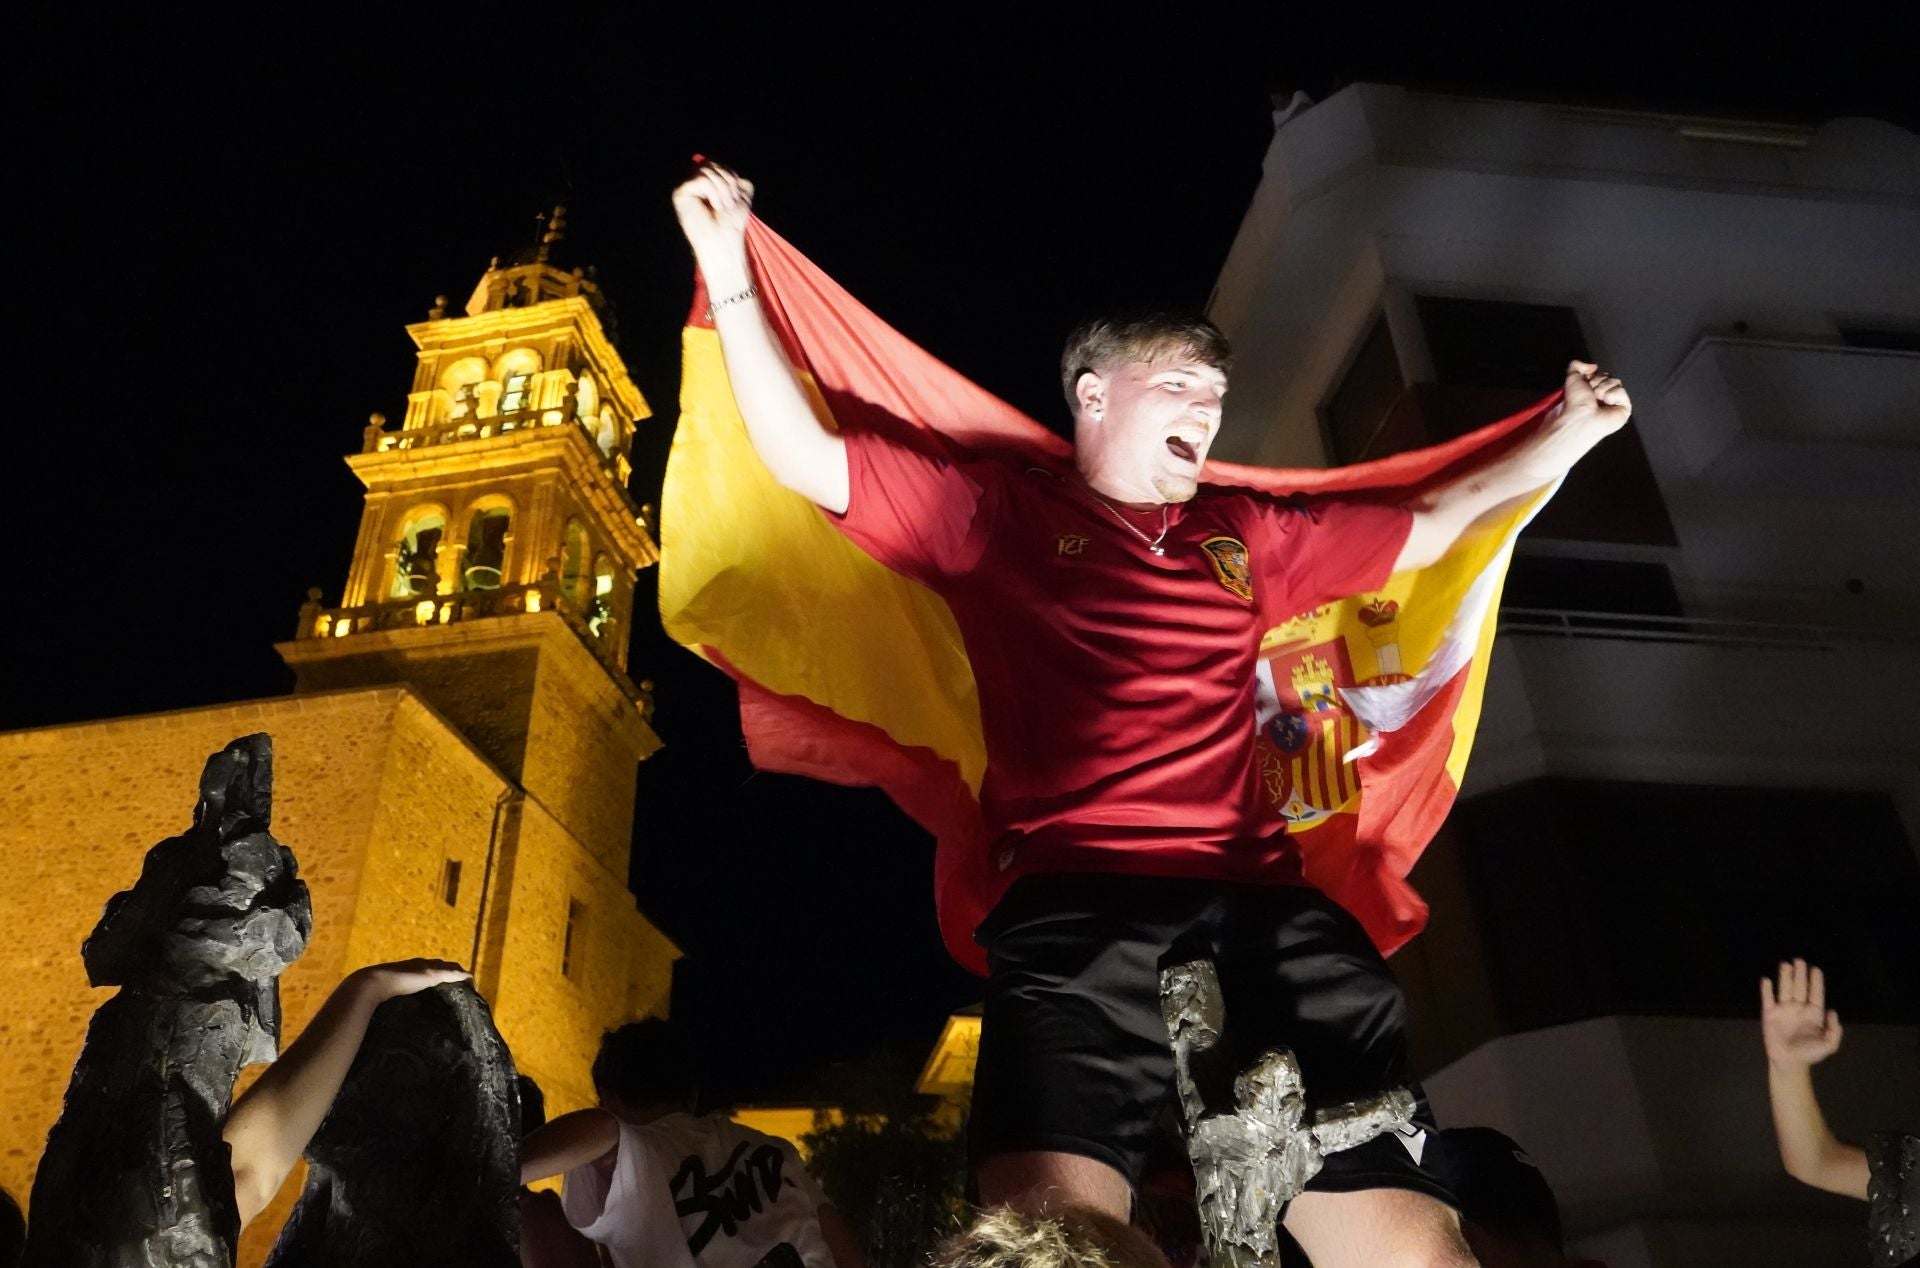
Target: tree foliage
[{"x": 899, "y": 1179}]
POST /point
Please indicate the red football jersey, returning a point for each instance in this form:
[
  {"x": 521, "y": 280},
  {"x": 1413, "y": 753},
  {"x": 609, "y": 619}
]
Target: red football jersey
[{"x": 1116, "y": 684}]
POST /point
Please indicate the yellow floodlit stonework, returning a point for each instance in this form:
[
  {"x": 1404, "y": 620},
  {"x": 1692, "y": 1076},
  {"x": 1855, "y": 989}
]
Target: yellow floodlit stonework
[
  {"x": 948, "y": 1073},
  {"x": 455, "y": 771},
  {"x": 789, "y": 1122}
]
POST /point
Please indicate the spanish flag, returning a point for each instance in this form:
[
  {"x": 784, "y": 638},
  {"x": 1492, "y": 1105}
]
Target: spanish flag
[{"x": 852, "y": 674}]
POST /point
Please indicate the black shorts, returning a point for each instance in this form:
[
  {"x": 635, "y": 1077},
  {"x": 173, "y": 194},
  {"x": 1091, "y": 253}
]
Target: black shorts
[{"x": 1074, "y": 1055}]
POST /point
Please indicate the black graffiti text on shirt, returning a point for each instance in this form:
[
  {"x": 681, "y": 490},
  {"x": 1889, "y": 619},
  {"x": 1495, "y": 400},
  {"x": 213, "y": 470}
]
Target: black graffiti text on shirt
[{"x": 724, "y": 1201}]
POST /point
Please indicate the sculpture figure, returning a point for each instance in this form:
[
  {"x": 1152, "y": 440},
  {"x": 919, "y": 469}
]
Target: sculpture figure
[
  {"x": 135, "y": 1174},
  {"x": 418, "y": 1161},
  {"x": 1256, "y": 1154}
]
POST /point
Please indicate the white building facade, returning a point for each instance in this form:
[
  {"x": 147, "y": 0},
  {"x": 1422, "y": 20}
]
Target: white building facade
[{"x": 1698, "y": 753}]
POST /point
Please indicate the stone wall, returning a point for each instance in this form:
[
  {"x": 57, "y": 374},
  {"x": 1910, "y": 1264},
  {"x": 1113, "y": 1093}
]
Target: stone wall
[
  {"x": 621, "y": 966},
  {"x": 84, "y": 804},
  {"x": 436, "y": 805},
  {"x": 376, "y": 793},
  {"x": 481, "y": 682},
  {"x": 584, "y": 739}
]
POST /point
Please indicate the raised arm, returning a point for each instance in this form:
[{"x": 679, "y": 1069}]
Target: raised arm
[
  {"x": 269, "y": 1126},
  {"x": 1800, "y": 1031},
  {"x": 1596, "y": 406},
  {"x": 569, "y": 1141},
  {"x": 801, "y": 454}
]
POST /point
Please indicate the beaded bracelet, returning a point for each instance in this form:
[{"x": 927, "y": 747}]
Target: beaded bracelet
[{"x": 750, "y": 293}]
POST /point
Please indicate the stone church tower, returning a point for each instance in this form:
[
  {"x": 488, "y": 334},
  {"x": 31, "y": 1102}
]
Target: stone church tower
[
  {"x": 456, "y": 769},
  {"x": 494, "y": 569}
]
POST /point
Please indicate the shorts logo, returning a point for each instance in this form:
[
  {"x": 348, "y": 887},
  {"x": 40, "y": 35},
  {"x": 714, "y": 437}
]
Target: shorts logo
[
  {"x": 1414, "y": 1139},
  {"x": 1228, "y": 555}
]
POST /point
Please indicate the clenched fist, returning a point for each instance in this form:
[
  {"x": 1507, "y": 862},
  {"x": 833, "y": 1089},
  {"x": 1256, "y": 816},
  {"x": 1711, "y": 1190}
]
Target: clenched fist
[
  {"x": 1594, "y": 399},
  {"x": 713, "y": 207}
]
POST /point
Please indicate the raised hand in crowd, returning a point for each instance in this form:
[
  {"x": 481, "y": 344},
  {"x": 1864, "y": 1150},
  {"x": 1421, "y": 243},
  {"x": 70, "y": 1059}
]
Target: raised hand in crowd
[
  {"x": 271, "y": 1123},
  {"x": 1799, "y": 1032}
]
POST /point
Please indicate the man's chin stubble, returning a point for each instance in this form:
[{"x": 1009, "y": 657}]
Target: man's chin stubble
[{"x": 1168, "y": 489}]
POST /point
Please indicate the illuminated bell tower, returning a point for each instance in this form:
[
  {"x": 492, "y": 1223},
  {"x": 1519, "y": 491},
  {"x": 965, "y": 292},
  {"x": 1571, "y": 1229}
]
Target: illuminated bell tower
[{"x": 495, "y": 563}]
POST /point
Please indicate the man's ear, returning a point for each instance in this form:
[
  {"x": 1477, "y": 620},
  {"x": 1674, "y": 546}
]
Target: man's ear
[{"x": 1090, "y": 390}]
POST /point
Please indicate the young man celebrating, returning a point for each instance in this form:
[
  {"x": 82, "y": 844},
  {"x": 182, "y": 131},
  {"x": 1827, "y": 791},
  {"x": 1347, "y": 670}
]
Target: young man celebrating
[{"x": 1107, "y": 612}]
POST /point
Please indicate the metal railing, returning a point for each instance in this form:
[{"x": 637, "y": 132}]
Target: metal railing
[{"x": 1645, "y": 627}]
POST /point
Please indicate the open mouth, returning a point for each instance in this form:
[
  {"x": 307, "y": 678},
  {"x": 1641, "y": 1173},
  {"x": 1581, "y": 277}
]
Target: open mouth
[{"x": 1182, "y": 449}]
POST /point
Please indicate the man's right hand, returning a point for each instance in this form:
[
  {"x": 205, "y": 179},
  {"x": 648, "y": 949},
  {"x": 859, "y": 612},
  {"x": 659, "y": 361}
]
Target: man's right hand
[
  {"x": 801, "y": 454},
  {"x": 1796, "y": 1024},
  {"x": 713, "y": 208}
]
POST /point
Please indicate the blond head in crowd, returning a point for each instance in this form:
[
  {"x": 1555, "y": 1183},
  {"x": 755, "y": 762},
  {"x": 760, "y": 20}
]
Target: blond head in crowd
[{"x": 1004, "y": 1237}]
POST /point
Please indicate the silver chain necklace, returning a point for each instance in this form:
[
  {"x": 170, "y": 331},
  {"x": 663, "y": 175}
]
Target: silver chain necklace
[{"x": 1153, "y": 543}]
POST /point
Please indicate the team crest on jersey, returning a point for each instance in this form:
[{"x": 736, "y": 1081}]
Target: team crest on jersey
[{"x": 1228, "y": 555}]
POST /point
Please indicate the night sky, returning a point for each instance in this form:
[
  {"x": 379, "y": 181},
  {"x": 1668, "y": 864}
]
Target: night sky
[{"x": 221, "y": 232}]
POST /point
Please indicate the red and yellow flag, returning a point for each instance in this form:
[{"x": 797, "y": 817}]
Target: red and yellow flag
[{"x": 852, "y": 674}]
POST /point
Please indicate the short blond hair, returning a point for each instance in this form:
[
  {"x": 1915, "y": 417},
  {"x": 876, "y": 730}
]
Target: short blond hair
[
  {"x": 1006, "y": 1237},
  {"x": 1099, "y": 344}
]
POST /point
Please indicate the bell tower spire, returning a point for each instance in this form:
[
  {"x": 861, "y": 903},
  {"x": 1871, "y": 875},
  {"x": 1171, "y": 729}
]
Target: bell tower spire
[{"x": 495, "y": 563}]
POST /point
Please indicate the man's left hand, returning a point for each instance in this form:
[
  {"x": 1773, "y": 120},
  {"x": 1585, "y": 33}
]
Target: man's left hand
[
  {"x": 1594, "y": 405},
  {"x": 1595, "y": 400}
]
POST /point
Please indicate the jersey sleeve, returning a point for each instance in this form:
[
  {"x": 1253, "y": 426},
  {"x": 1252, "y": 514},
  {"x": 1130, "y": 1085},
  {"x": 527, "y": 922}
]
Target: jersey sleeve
[
  {"x": 921, "y": 512},
  {"x": 1307, "y": 551}
]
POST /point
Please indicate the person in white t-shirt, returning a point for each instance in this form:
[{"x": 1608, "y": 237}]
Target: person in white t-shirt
[{"x": 660, "y": 1187}]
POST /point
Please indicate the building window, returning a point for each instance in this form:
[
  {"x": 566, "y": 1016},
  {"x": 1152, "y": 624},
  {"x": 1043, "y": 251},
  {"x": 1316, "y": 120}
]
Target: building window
[
  {"x": 1358, "y": 412},
  {"x": 416, "y": 559},
  {"x": 1492, "y": 358},
  {"x": 1614, "y": 586},
  {"x": 450, "y": 883},
  {"x": 1495, "y": 343},
  {"x": 487, "y": 546},
  {"x": 513, "y": 397},
  {"x": 573, "y": 564},
  {"x": 600, "y": 609},
  {"x": 573, "y": 942},
  {"x": 1885, "y": 338},
  {"x": 458, "y": 381},
  {"x": 1597, "y": 898},
  {"x": 515, "y": 373}
]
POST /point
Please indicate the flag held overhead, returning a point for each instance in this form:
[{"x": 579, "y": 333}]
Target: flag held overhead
[{"x": 853, "y": 674}]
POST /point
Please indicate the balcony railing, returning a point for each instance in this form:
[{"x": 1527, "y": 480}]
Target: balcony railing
[
  {"x": 1681, "y": 629},
  {"x": 596, "y": 627},
  {"x": 1797, "y": 416},
  {"x": 378, "y": 439}
]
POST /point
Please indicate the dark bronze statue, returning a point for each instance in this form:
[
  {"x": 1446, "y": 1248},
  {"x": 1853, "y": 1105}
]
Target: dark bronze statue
[
  {"x": 418, "y": 1162},
  {"x": 135, "y": 1174}
]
